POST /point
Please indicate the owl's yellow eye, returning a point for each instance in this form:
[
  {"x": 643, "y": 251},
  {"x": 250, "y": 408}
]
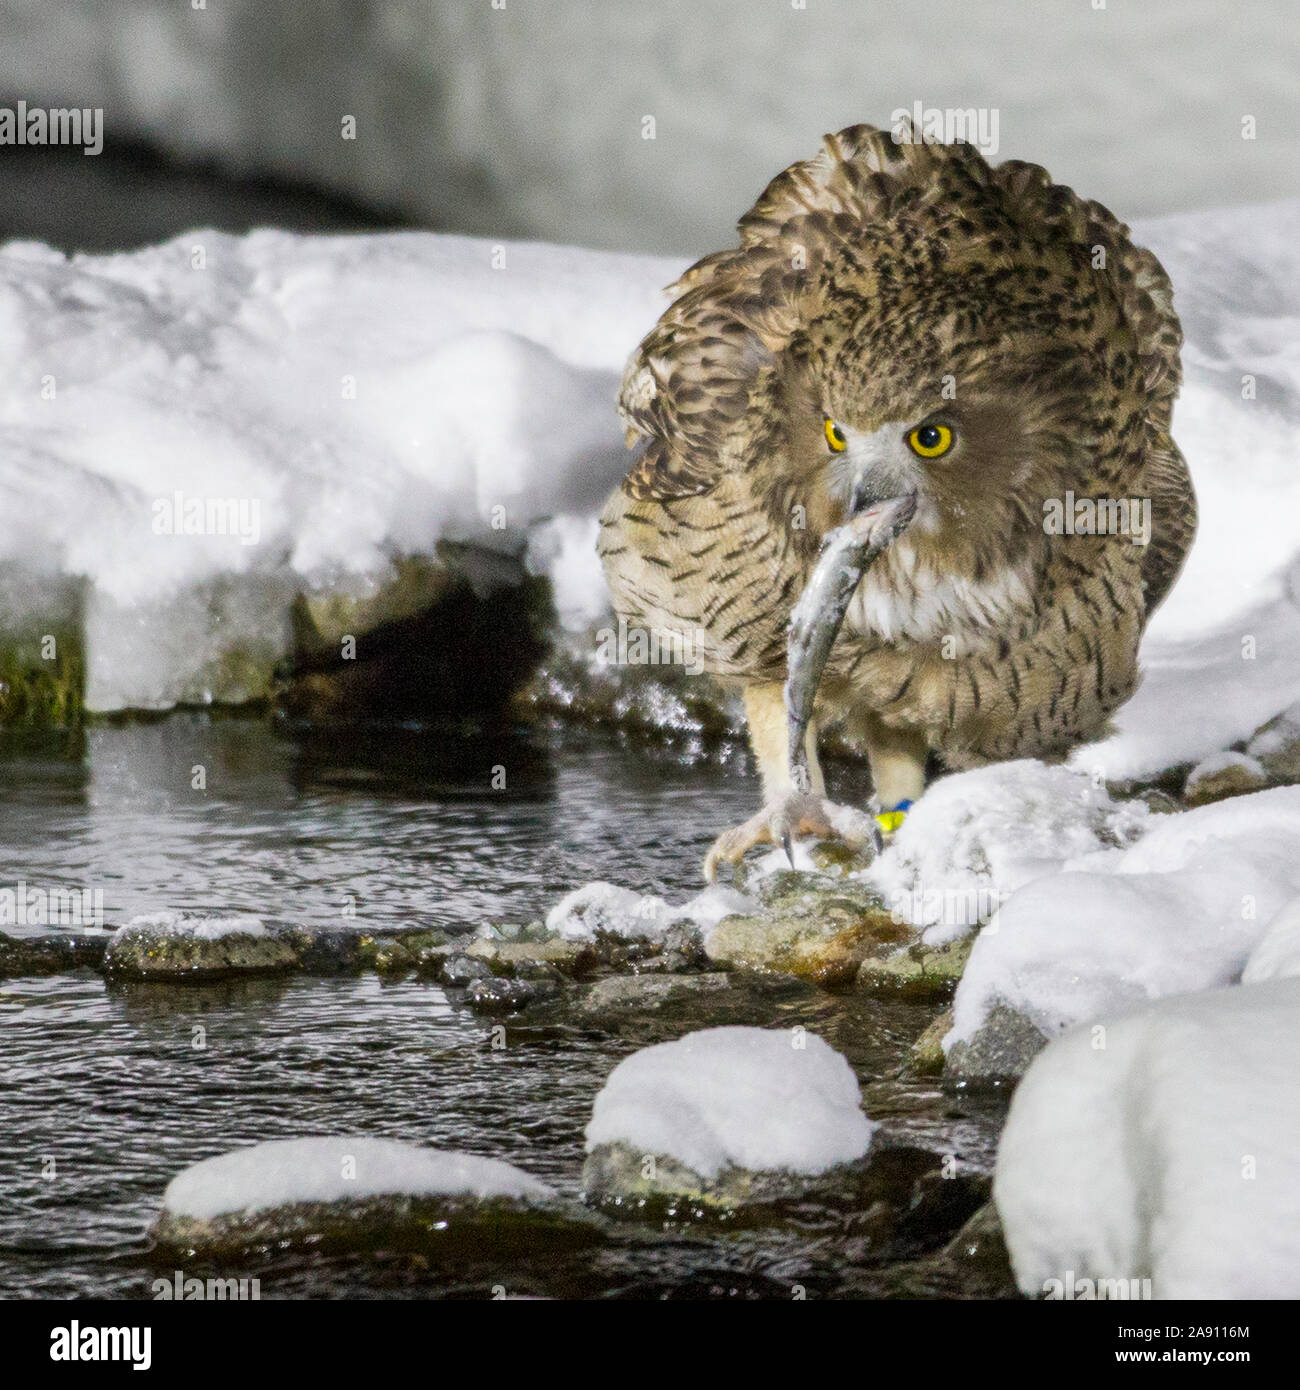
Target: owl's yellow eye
[
  {"x": 835, "y": 436},
  {"x": 930, "y": 440}
]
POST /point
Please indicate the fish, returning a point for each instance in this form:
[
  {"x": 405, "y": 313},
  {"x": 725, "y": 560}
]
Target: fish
[{"x": 846, "y": 554}]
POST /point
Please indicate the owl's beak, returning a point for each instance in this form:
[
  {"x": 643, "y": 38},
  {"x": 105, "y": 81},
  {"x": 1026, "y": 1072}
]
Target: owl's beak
[{"x": 876, "y": 523}]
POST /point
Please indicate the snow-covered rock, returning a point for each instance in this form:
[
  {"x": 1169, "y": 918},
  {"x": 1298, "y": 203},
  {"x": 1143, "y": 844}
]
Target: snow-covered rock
[
  {"x": 355, "y": 1191},
  {"x": 192, "y": 946},
  {"x": 1178, "y": 911},
  {"x": 723, "y": 1115},
  {"x": 975, "y": 837},
  {"x": 605, "y": 907},
  {"x": 1164, "y": 1146},
  {"x": 284, "y": 1171}
]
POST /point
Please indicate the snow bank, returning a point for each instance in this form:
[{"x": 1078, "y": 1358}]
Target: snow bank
[
  {"x": 1167, "y": 1150},
  {"x": 352, "y": 399},
  {"x": 286, "y": 1171},
  {"x": 1178, "y": 911},
  {"x": 735, "y": 1098},
  {"x": 975, "y": 837}
]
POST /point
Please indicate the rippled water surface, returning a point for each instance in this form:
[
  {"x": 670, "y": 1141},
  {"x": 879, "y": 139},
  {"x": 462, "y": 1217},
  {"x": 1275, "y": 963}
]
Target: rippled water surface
[{"x": 107, "y": 1091}]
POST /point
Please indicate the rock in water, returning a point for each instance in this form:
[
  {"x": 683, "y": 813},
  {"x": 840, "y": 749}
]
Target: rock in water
[
  {"x": 353, "y": 1194},
  {"x": 724, "y": 1116},
  {"x": 183, "y": 946}
]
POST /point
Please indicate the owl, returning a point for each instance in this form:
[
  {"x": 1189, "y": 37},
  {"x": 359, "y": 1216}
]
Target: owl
[{"x": 901, "y": 319}]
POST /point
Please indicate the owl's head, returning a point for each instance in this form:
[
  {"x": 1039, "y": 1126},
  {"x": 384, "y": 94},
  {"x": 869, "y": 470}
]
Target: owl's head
[{"x": 981, "y": 424}]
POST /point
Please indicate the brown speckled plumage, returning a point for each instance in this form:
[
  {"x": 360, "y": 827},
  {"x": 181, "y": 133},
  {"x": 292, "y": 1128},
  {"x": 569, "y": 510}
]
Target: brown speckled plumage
[{"x": 877, "y": 284}]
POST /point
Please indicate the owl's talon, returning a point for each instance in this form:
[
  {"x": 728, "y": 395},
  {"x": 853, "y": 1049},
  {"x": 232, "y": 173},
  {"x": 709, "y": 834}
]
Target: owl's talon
[{"x": 796, "y": 813}]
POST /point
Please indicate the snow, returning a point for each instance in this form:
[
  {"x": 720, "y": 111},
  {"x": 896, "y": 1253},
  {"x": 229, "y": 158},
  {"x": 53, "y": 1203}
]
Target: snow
[
  {"x": 605, "y": 907},
  {"x": 975, "y": 837},
  {"x": 197, "y": 925},
  {"x": 736, "y": 1097},
  {"x": 1166, "y": 1148},
  {"x": 1178, "y": 911},
  {"x": 1222, "y": 762},
  {"x": 284, "y": 1171},
  {"x": 1277, "y": 954}
]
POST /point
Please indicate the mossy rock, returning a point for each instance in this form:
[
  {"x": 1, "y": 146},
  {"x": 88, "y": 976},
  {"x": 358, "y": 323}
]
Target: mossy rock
[
  {"x": 572, "y": 958},
  {"x": 618, "y": 1177},
  {"x": 917, "y": 972},
  {"x": 149, "y": 952},
  {"x": 642, "y": 992},
  {"x": 927, "y": 1057},
  {"x": 43, "y": 677},
  {"x": 826, "y": 945}
]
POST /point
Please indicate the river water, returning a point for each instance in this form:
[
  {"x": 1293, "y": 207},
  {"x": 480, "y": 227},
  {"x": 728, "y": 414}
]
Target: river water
[{"x": 104, "y": 1094}]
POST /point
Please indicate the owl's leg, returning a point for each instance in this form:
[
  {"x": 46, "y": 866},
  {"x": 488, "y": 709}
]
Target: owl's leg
[
  {"x": 897, "y": 758},
  {"x": 787, "y": 810}
]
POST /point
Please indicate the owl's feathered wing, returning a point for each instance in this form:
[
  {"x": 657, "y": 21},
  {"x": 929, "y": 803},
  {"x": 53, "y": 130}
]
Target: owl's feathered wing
[{"x": 689, "y": 386}]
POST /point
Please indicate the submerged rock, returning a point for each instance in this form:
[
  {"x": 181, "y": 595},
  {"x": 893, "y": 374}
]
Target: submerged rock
[
  {"x": 724, "y": 1117},
  {"x": 648, "y": 991},
  {"x": 461, "y": 970},
  {"x": 183, "y": 946},
  {"x": 498, "y": 995},
  {"x": 347, "y": 1194},
  {"x": 50, "y": 955}
]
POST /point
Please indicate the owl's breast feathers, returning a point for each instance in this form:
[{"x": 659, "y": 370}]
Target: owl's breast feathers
[{"x": 889, "y": 262}]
